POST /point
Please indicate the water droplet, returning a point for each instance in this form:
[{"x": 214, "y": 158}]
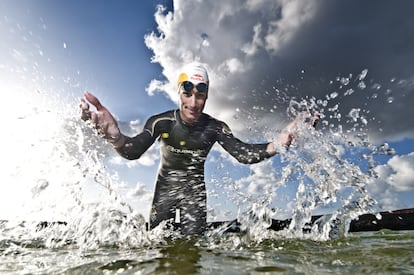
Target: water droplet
[
  {"x": 334, "y": 108},
  {"x": 376, "y": 86},
  {"x": 344, "y": 81},
  {"x": 349, "y": 92},
  {"x": 364, "y": 120},
  {"x": 354, "y": 114},
  {"x": 362, "y": 85},
  {"x": 334, "y": 95},
  {"x": 363, "y": 74}
]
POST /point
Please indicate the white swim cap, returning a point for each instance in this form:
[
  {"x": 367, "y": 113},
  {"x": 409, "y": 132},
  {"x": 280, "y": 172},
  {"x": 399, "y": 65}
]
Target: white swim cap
[{"x": 194, "y": 72}]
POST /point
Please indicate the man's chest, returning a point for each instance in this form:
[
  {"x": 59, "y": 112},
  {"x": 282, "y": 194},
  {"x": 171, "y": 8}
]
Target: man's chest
[{"x": 190, "y": 138}]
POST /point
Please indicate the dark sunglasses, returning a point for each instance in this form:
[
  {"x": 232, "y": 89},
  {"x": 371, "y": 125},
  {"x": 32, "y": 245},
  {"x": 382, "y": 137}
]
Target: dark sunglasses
[{"x": 201, "y": 87}]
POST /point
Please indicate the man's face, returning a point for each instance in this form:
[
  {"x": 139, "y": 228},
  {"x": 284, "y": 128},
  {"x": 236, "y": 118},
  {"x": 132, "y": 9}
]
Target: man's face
[{"x": 191, "y": 104}]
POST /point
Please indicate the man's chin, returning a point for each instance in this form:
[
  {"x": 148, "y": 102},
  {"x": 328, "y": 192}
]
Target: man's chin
[{"x": 192, "y": 117}]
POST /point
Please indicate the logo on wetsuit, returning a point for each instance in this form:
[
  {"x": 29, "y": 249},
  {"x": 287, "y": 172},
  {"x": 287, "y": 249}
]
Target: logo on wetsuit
[{"x": 198, "y": 152}]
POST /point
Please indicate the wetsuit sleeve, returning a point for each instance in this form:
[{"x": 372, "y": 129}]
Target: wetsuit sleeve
[
  {"x": 244, "y": 152},
  {"x": 135, "y": 146}
]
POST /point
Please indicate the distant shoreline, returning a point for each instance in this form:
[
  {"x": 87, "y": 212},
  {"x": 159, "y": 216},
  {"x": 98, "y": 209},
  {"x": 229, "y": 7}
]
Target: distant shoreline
[{"x": 402, "y": 219}]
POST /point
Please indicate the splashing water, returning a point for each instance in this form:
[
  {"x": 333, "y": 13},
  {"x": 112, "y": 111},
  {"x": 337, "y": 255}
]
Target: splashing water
[
  {"x": 69, "y": 197},
  {"x": 330, "y": 165},
  {"x": 58, "y": 190}
]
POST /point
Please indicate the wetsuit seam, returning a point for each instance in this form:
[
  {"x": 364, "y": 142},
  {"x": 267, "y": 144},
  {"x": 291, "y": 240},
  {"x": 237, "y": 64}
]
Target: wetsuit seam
[{"x": 154, "y": 124}]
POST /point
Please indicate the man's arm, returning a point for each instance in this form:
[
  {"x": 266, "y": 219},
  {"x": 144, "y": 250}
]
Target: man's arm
[
  {"x": 134, "y": 147},
  {"x": 244, "y": 152},
  {"x": 253, "y": 153}
]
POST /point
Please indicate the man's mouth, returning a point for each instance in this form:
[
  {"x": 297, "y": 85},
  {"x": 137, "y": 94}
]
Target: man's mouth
[{"x": 192, "y": 111}]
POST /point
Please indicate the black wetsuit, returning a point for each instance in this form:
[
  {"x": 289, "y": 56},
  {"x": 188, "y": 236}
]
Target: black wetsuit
[{"x": 184, "y": 148}]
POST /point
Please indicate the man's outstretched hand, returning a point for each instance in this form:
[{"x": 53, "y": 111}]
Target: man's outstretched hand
[
  {"x": 102, "y": 119},
  {"x": 285, "y": 138}
]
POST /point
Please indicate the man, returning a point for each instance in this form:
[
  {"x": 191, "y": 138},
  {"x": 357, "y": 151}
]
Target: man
[{"x": 186, "y": 136}]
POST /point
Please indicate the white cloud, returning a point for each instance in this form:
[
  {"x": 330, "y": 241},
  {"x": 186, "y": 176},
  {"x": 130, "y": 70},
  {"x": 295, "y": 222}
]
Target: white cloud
[
  {"x": 155, "y": 86},
  {"x": 398, "y": 172},
  {"x": 140, "y": 198},
  {"x": 140, "y": 191},
  {"x": 294, "y": 15},
  {"x": 393, "y": 179},
  {"x": 232, "y": 66},
  {"x": 259, "y": 181},
  {"x": 262, "y": 53},
  {"x": 250, "y": 48}
]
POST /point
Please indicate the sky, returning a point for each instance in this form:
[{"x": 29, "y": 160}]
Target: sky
[{"x": 349, "y": 60}]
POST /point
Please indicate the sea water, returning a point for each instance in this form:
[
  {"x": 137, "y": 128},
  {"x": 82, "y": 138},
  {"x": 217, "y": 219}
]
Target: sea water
[{"x": 383, "y": 252}]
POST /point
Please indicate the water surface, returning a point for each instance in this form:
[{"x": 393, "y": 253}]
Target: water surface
[{"x": 386, "y": 252}]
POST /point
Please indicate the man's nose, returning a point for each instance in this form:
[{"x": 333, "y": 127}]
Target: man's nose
[
  {"x": 192, "y": 100},
  {"x": 193, "y": 97}
]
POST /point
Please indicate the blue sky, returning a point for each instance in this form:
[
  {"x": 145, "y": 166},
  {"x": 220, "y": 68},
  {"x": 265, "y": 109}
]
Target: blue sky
[{"x": 352, "y": 58}]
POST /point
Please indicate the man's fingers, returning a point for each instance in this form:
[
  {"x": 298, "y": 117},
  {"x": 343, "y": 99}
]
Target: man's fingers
[
  {"x": 84, "y": 105},
  {"x": 316, "y": 117},
  {"x": 85, "y": 113},
  {"x": 94, "y": 118},
  {"x": 311, "y": 120},
  {"x": 100, "y": 125},
  {"x": 93, "y": 100}
]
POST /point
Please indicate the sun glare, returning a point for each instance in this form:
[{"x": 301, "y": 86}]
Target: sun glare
[{"x": 28, "y": 124}]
